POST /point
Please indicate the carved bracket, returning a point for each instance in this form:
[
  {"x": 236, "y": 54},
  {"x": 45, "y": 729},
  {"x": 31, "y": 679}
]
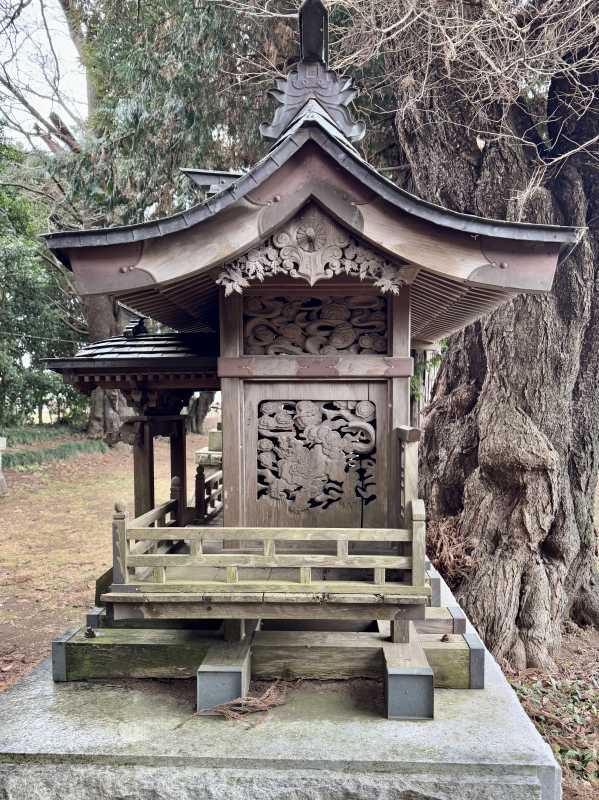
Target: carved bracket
[{"x": 312, "y": 247}]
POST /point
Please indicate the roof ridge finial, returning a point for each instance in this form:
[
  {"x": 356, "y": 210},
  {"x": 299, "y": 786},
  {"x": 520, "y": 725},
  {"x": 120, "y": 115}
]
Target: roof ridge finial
[{"x": 314, "y": 32}]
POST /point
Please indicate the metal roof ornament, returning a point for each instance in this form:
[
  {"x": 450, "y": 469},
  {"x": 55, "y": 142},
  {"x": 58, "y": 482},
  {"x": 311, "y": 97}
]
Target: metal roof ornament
[
  {"x": 312, "y": 81},
  {"x": 314, "y": 32}
]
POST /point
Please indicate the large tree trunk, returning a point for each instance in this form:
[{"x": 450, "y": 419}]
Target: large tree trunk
[
  {"x": 509, "y": 457},
  {"x": 108, "y": 408},
  {"x": 198, "y": 411}
]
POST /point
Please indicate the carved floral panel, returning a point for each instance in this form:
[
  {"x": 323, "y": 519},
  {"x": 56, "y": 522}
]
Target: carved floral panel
[
  {"x": 313, "y": 454},
  {"x": 312, "y": 247},
  {"x": 315, "y": 325}
]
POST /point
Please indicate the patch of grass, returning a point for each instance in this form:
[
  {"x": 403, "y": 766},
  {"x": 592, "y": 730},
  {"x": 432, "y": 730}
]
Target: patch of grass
[
  {"x": 23, "y": 459},
  {"x": 32, "y": 434},
  {"x": 565, "y": 710}
]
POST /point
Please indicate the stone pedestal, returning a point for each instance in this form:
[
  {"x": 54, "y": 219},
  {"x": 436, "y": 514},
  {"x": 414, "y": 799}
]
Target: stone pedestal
[{"x": 132, "y": 738}]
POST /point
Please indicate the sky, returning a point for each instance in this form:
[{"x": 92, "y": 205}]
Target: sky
[{"x": 34, "y": 57}]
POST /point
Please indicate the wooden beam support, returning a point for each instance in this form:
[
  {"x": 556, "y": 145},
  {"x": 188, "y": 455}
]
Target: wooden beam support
[
  {"x": 144, "y": 652},
  {"x": 143, "y": 467},
  {"x": 305, "y": 366}
]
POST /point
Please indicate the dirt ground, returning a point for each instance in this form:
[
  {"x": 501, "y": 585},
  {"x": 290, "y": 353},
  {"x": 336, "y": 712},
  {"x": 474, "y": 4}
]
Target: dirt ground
[{"x": 55, "y": 540}]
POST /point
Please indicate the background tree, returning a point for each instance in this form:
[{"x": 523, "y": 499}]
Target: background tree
[
  {"x": 497, "y": 115},
  {"x": 170, "y": 83},
  {"x": 32, "y": 308}
]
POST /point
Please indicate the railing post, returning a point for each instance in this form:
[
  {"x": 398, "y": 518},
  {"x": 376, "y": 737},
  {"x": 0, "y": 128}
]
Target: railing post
[
  {"x": 179, "y": 463},
  {"x": 120, "y": 544},
  {"x": 408, "y": 443},
  {"x": 200, "y": 492},
  {"x": 416, "y": 519},
  {"x": 177, "y": 496}
]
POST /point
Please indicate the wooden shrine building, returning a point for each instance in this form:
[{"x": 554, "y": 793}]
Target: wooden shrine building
[{"x": 299, "y": 289}]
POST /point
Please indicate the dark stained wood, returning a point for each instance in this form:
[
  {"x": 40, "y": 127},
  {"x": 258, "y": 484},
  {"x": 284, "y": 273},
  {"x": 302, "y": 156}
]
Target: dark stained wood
[
  {"x": 143, "y": 468},
  {"x": 179, "y": 466}
]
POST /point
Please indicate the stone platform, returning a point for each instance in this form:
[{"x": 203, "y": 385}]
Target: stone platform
[{"x": 140, "y": 740}]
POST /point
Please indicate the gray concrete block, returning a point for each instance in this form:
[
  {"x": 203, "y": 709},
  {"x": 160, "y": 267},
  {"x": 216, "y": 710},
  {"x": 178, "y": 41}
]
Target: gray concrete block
[
  {"x": 459, "y": 619},
  {"x": 140, "y": 739},
  {"x": 410, "y": 693},
  {"x": 435, "y": 581},
  {"x": 59, "y": 661},
  {"x": 224, "y": 675},
  {"x": 95, "y": 617},
  {"x": 477, "y": 659}
]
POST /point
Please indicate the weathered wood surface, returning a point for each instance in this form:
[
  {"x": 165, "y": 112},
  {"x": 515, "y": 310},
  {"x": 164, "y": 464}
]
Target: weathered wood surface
[
  {"x": 135, "y": 531},
  {"x": 275, "y": 591},
  {"x": 331, "y": 367},
  {"x": 437, "y": 621},
  {"x": 151, "y": 516},
  {"x": 120, "y": 544},
  {"x": 326, "y": 655},
  {"x": 206, "y": 609},
  {"x": 130, "y": 653},
  {"x": 301, "y": 560},
  {"x": 317, "y": 324},
  {"x": 416, "y": 520},
  {"x": 178, "y": 455},
  {"x": 137, "y": 553},
  {"x": 159, "y": 653},
  {"x": 143, "y": 467}
]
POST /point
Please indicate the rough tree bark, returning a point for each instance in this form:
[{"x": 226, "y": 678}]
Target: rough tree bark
[
  {"x": 104, "y": 317},
  {"x": 198, "y": 410},
  {"x": 509, "y": 457}
]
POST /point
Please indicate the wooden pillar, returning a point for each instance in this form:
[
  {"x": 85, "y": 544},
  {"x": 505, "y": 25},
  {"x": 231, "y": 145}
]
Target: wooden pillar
[
  {"x": 143, "y": 467},
  {"x": 231, "y": 344},
  {"x": 178, "y": 441},
  {"x": 399, "y": 401}
]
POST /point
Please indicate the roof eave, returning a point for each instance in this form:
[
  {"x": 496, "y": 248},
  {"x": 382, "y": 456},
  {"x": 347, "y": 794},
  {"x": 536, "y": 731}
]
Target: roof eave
[{"x": 296, "y": 136}]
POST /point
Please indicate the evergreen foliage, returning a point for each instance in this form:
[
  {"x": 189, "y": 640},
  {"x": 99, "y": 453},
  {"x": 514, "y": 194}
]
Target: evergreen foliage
[
  {"x": 183, "y": 84},
  {"x": 31, "y": 328}
]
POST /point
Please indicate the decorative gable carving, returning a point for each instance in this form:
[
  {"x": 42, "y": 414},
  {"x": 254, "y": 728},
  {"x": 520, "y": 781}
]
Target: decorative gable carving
[{"x": 312, "y": 247}]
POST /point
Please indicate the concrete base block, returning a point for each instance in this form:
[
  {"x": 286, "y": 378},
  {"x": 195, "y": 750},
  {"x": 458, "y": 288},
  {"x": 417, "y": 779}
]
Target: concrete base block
[
  {"x": 224, "y": 675},
  {"x": 435, "y": 582},
  {"x": 95, "y": 617},
  {"x": 141, "y": 739},
  {"x": 410, "y": 693}
]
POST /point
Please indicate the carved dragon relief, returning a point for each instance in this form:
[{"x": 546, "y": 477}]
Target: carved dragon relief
[
  {"x": 316, "y": 325},
  {"x": 312, "y": 247},
  {"x": 313, "y": 454}
]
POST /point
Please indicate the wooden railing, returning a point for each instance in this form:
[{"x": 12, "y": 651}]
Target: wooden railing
[
  {"x": 408, "y": 454},
  {"x": 163, "y": 517},
  {"x": 208, "y": 494},
  {"x": 267, "y": 555}
]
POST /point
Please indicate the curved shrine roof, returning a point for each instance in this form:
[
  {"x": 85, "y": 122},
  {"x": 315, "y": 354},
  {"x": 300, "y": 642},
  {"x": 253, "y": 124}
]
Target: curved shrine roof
[{"x": 462, "y": 266}]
